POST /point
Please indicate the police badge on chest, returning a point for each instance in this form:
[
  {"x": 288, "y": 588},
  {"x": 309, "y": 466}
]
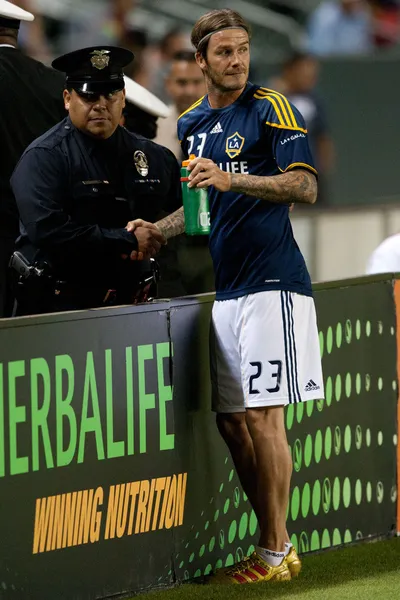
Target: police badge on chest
[{"x": 141, "y": 163}]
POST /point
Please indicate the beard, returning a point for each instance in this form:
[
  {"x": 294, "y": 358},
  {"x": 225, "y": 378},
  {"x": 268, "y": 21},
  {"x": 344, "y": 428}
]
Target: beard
[{"x": 224, "y": 82}]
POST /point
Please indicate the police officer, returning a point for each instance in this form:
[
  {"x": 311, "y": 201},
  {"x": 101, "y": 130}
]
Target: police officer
[
  {"x": 30, "y": 103},
  {"x": 79, "y": 185}
]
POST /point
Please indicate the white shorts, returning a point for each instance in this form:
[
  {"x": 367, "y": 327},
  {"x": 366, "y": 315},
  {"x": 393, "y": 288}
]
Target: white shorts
[{"x": 264, "y": 351}]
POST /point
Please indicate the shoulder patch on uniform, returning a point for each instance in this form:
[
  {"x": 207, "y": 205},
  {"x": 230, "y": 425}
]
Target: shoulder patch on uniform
[
  {"x": 283, "y": 112},
  {"x": 195, "y": 105}
]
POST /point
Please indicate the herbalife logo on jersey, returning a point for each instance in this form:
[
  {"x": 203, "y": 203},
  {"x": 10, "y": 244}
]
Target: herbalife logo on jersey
[{"x": 217, "y": 128}]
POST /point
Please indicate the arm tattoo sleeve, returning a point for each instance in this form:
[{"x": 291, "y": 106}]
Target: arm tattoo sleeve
[
  {"x": 172, "y": 225},
  {"x": 298, "y": 185}
]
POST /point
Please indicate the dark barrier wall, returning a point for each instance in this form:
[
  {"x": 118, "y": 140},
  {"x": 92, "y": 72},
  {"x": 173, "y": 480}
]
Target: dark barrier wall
[
  {"x": 108, "y": 485},
  {"x": 85, "y": 406}
]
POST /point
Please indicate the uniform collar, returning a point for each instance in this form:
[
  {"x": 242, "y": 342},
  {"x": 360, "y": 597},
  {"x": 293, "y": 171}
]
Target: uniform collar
[
  {"x": 8, "y": 46},
  {"x": 92, "y": 144}
]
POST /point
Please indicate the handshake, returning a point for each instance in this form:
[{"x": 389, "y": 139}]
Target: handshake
[{"x": 149, "y": 238}]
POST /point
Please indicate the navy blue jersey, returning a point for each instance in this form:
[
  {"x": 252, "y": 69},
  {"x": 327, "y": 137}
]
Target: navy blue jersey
[{"x": 251, "y": 240}]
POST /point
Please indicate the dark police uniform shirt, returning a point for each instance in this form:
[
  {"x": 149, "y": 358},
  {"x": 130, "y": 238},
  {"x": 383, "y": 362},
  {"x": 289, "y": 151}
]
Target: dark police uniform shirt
[
  {"x": 75, "y": 195},
  {"x": 251, "y": 240},
  {"x": 31, "y": 101}
]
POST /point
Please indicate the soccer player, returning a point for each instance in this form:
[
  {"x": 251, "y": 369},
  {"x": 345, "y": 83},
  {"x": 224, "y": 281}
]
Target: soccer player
[{"x": 253, "y": 156}]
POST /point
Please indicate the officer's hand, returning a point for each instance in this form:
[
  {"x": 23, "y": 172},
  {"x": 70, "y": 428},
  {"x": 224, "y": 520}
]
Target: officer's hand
[
  {"x": 150, "y": 240},
  {"x": 204, "y": 172}
]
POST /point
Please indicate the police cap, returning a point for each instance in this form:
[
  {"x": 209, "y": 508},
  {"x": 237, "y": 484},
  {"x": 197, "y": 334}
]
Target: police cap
[
  {"x": 94, "y": 70},
  {"x": 12, "y": 15}
]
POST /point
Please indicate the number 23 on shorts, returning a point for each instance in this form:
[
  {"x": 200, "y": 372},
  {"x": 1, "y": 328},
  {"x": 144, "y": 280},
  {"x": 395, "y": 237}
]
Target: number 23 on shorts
[{"x": 275, "y": 374}]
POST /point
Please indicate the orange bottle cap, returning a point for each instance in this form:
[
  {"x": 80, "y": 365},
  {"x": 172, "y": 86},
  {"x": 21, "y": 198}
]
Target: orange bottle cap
[{"x": 186, "y": 162}]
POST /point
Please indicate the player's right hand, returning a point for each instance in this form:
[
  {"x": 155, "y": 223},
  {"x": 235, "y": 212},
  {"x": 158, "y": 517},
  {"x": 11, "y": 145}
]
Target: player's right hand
[{"x": 132, "y": 225}]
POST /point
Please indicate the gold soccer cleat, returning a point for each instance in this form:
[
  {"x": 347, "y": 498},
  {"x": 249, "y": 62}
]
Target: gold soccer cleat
[
  {"x": 251, "y": 570},
  {"x": 293, "y": 562}
]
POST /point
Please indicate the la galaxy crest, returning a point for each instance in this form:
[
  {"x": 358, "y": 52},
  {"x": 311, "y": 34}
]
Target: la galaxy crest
[{"x": 234, "y": 144}]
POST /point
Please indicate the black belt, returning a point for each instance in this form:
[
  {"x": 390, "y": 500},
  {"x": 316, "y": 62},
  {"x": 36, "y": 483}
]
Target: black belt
[
  {"x": 39, "y": 292},
  {"x": 144, "y": 289}
]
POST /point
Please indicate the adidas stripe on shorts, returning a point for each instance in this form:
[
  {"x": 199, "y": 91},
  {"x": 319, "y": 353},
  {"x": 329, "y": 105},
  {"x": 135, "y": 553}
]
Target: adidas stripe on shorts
[{"x": 264, "y": 351}]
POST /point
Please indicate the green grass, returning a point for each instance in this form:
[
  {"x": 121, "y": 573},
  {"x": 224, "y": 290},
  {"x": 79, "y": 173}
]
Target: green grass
[{"x": 369, "y": 571}]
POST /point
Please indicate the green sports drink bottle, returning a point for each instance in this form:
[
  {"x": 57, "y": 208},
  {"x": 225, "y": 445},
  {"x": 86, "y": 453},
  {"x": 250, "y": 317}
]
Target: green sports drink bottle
[{"x": 195, "y": 205}]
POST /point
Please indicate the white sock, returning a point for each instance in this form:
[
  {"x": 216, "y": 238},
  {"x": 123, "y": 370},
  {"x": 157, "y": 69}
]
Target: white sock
[
  {"x": 270, "y": 556},
  {"x": 288, "y": 546}
]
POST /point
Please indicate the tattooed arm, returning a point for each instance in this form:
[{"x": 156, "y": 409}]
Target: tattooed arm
[
  {"x": 172, "y": 225},
  {"x": 294, "y": 186},
  {"x": 298, "y": 185}
]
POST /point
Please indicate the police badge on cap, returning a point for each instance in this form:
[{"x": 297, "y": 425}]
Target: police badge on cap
[
  {"x": 97, "y": 69},
  {"x": 100, "y": 59}
]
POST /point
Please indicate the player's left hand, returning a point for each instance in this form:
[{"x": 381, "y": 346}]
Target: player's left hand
[{"x": 204, "y": 172}]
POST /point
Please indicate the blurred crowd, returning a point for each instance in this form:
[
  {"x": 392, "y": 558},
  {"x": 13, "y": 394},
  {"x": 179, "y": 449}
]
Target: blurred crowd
[
  {"x": 333, "y": 27},
  {"x": 353, "y": 26}
]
